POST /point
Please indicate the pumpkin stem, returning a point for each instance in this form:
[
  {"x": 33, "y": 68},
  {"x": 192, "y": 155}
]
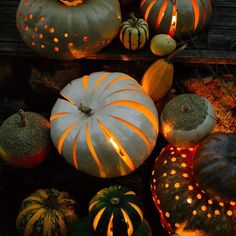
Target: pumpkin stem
[
  {"x": 174, "y": 54},
  {"x": 71, "y": 3},
  {"x": 85, "y": 109},
  {"x": 115, "y": 200},
  {"x": 186, "y": 108},
  {"x": 134, "y": 18},
  {"x": 22, "y": 118}
]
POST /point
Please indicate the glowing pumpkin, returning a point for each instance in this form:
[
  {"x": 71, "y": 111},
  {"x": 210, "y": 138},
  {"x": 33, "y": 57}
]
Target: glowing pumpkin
[
  {"x": 116, "y": 211},
  {"x": 68, "y": 29},
  {"x": 185, "y": 208},
  {"x": 106, "y": 125},
  {"x": 176, "y": 17}
]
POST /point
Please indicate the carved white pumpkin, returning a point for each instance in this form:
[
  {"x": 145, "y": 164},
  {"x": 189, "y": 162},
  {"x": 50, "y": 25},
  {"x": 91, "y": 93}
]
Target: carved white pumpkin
[{"x": 106, "y": 125}]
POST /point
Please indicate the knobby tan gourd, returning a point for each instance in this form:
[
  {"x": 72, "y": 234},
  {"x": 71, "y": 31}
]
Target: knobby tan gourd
[{"x": 158, "y": 78}]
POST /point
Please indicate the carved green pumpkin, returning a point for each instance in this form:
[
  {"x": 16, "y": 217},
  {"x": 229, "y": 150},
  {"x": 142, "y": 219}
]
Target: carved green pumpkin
[
  {"x": 176, "y": 17},
  {"x": 215, "y": 165},
  {"x": 70, "y": 29},
  {"x": 105, "y": 125},
  {"x": 184, "y": 206}
]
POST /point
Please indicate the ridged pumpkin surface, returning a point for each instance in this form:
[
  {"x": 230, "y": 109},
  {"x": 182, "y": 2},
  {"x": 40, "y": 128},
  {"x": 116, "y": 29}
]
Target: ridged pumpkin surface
[
  {"x": 106, "y": 125},
  {"x": 47, "y": 212},
  {"x": 115, "y": 211},
  {"x": 158, "y": 79}
]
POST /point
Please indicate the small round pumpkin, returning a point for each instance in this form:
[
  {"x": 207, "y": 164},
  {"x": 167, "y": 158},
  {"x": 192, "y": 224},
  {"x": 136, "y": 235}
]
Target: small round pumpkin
[
  {"x": 47, "y": 212},
  {"x": 215, "y": 165},
  {"x": 116, "y": 211},
  {"x": 105, "y": 125},
  {"x": 162, "y": 45},
  {"x": 25, "y": 139},
  {"x": 68, "y": 29},
  {"x": 134, "y": 33},
  {"x": 176, "y": 17},
  {"x": 185, "y": 208},
  {"x": 187, "y": 119}
]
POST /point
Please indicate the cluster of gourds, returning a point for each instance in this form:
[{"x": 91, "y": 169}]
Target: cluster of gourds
[
  {"x": 113, "y": 211},
  {"x": 106, "y": 125}
]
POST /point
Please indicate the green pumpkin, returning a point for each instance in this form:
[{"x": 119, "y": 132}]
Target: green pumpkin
[
  {"x": 82, "y": 227},
  {"x": 134, "y": 33},
  {"x": 115, "y": 211},
  {"x": 184, "y": 206},
  {"x": 68, "y": 29},
  {"x": 179, "y": 17},
  {"x": 215, "y": 165}
]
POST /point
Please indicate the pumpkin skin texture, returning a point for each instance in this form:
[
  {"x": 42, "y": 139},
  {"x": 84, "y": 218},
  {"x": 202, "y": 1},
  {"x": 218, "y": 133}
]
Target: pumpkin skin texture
[
  {"x": 115, "y": 211},
  {"x": 58, "y": 31},
  {"x": 115, "y": 132},
  {"x": 214, "y": 165},
  {"x": 184, "y": 207},
  {"x": 191, "y": 16},
  {"x": 134, "y": 33},
  {"x": 162, "y": 45},
  {"x": 158, "y": 78},
  {"x": 187, "y": 119},
  {"x": 46, "y": 212},
  {"x": 25, "y": 139}
]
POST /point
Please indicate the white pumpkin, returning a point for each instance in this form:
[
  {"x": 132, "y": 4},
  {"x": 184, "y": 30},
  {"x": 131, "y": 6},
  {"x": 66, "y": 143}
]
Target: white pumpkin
[
  {"x": 106, "y": 125},
  {"x": 187, "y": 119}
]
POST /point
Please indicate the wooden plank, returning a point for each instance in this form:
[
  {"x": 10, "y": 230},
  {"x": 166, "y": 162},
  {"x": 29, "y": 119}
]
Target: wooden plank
[
  {"x": 223, "y": 18},
  {"x": 9, "y": 33},
  {"x": 222, "y": 39}
]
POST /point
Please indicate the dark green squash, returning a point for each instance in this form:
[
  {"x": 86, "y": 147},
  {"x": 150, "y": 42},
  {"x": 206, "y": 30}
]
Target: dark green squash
[
  {"x": 184, "y": 207},
  {"x": 68, "y": 29},
  {"x": 115, "y": 211},
  {"x": 215, "y": 165}
]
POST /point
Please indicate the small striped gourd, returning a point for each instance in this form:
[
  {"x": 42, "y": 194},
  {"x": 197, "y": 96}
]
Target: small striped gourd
[
  {"x": 115, "y": 211},
  {"x": 134, "y": 33},
  {"x": 46, "y": 212},
  {"x": 178, "y": 17},
  {"x": 106, "y": 125}
]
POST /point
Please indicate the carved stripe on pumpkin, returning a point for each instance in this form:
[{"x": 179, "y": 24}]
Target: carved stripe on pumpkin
[
  {"x": 100, "y": 79},
  {"x": 120, "y": 78},
  {"x": 173, "y": 20},
  {"x": 74, "y": 157},
  {"x": 130, "y": 193},
  {"x": 161, "y": 13},
  {"x": 53, "y": 117},
  {"x": 110, "y": 226},
  {"x": 139, "y": 107},
  {"x": 91, "y": 205},
  {"x": 117, "y": 146},
  {"x": 97, "y": 218},
  {"x": 135, "y": 129},
  {"x": 142, "y": 3},
  {"x": 205, "y": 11},
  {"x": 64, "y": 135},
  {"x": 137, "y": 209},
  {"x": 93, "y": 153},
  {"x": 127, "y": 90},
  {"x": 130, "y": 228},
  {"x": 85, "y": 80},
  {"x": 149, "y": 8},
  {"x": 68, "y": 99},
  {"x": 196, "y": 13}
]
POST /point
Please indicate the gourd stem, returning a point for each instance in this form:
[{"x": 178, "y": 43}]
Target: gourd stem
[
  {"x": 71, "y": 3},
  {"x": 85, "y": 109},
  {"x": 174, "y": 54},
  {"x": 22, "y": 118},
  {"x": 134, "y": 18},
  {"x": 51, "y": 200},
  {"x": 115, "y": 200}
]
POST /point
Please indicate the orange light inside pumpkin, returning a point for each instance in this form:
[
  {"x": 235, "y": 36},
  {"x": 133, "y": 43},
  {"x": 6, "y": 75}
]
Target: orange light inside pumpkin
[{"x": 173, "y": 20}]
